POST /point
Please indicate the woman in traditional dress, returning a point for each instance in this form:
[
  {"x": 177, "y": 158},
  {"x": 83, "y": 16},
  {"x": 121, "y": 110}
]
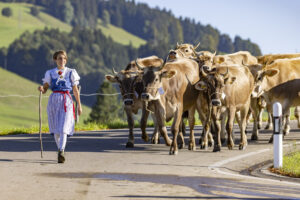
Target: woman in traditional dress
[{"x": 61, "y": 111}]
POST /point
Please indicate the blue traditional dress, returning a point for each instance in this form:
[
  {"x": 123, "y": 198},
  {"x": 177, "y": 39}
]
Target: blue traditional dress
[{"x": 60, "y": 105}]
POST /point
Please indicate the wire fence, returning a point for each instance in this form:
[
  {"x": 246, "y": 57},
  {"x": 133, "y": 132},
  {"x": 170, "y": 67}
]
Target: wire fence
[{"x": 46, "y": 96}]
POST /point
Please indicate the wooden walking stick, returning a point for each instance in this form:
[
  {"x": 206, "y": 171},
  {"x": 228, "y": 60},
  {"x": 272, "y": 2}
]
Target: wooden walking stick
[{"x": 40, "y": 119}]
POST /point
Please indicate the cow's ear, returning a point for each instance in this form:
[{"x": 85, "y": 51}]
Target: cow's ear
[
  {"x": 111, "y": 78},
  {"x": 221, "y": 60},
  {"x": 168, "y": 74},
  {"x": 230, "y": 80},
  {"x": 201, "y": 85},
  {"x": 271, "y": 72}
]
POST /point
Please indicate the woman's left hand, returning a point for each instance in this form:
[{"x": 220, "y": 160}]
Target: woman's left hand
[{"x": 79, "y": 109}]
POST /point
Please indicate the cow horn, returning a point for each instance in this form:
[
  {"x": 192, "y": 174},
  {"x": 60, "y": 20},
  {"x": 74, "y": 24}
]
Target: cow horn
[
  {"x": 203, "y": 73},
  {"x": 197, "y": 46},
  {"x": 164, "y": 63},
  {"x": 225, "y": 72},
  {"x": 215, "y": 53},
  {"x": 138, "y": 66},
  {"x": 177, "y": 45},
  {"x": 113, "y": 71}
]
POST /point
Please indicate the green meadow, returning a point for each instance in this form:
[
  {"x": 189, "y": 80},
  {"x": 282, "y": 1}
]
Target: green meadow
[
  {"x": 23, "y": 112},
  {"x": 21, "y": 20}
]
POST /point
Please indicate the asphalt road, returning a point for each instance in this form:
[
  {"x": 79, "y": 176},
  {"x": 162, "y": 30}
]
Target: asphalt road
[{"x": 98, "y": 166}]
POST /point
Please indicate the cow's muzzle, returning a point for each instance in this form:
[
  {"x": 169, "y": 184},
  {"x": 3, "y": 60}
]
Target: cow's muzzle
[
  {"x": 145, "y": 96},
  {"x": 128, "y": 102},
  {"x": 172, "y": 55},
  {"x": 216, "y": 102}
]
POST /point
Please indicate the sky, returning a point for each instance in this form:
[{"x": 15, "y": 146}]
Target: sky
[{"x": 272, "y": 24}]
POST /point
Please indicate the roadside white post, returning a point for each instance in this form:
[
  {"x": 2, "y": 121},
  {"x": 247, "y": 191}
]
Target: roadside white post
[{"x": 277, "y": 135}]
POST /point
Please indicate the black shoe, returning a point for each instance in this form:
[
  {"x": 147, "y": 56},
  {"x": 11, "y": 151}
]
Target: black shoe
[{"x": 61, "y": 157}]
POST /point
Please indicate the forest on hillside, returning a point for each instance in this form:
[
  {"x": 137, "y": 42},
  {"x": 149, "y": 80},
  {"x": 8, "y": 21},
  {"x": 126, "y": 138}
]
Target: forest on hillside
[{"x": 93, "y": 54}]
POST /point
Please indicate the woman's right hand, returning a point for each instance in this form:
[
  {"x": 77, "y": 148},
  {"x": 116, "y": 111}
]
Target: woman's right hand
[{"x": 41, "y": 88}]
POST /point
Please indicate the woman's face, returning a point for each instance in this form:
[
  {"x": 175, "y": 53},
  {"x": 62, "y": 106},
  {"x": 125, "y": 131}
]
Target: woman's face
[{"x": 61, "y": 60}]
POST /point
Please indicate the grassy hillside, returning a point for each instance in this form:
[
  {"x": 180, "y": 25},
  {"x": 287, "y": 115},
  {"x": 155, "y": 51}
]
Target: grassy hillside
[
  {"x": 21, "y": 21},
  {"x": 120, "y": 35},
  {"x": 18, "y": 112}
]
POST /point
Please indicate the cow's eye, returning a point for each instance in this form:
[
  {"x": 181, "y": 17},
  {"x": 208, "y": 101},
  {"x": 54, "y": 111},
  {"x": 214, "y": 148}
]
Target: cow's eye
[
  {"x": 186, "y": 50},
  {"x": 156, "y": 79},
  {"x": 259, "y": 78}
]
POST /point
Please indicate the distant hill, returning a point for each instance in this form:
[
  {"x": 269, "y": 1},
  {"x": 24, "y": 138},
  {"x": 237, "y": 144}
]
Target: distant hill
[
  {"x": 17, "y": 112},
  {"x": 21, "y": 21},
  {"x": 12, "y": 27}
]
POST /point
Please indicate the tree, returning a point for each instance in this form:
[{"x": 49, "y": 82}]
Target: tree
[
  {"x": 34, "y": 11},
  {"x": 106, "y": 18},
  {"x": 107, "y": 107},
  {"x": 7, "y": 12},
  {"x": 67, "y": 12}
]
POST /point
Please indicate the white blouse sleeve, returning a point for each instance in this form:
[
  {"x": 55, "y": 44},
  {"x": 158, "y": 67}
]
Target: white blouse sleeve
[
  {"x": 47, "y": 78},
  {"x": 75, "y": 77}
]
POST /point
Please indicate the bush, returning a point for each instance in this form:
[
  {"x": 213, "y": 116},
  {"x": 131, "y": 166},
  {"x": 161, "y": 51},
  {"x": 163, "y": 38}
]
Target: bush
[
  {"x": 34, "y": 11},
  {"x": 7, "y": 12}
]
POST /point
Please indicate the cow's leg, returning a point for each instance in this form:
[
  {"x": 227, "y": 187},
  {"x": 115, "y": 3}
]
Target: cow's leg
[
  {"x": 248, "y": 118},
  {"x": 180, "y": 139},
  {"x": 297, "y": 115},
  {"x": 270, "y": 121},
  {"x": 160, "y": 119},
  {"x": 130, "y": 121},
  {"x": 174, "y": 130},
  {"x": 243, "y": 142},
  {"x": 229, "y": 127},
  {"x": 261, "y": 104},
  {"x": 144, "y": 118},
  {"x": 286, "y": 114},
  {"x": 255, "y": 113},
  {"x": 217, "y": 129},
  {"x": 223, "y": 126},
  {"x": 191, "y": 118},
  {"x": 155, "y": 134}
]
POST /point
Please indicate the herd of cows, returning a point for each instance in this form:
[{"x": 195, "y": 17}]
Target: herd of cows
[{"x": 222, "y": 88}]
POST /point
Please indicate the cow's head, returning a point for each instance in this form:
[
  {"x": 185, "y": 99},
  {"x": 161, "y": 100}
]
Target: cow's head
[
  {"x": 261, "y": 83},
  {"x": 206, "y": 58},
  {"x": 214, "y": 82},
  {"x": 152, "y": 81},
  {"x": 183, "y": 50},
  {"x": 127, "y": 81}
]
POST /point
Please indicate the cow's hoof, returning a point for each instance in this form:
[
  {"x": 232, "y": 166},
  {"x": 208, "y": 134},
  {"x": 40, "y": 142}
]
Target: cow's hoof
[
  {"x": 242, "y": 147},
  {"x": 217, "y": 148},
  {"x": 192, "y": 147},
  {"x": 223, "y": 140},
  {"x": 173, "y": 152},
  {"x": 129, "y": 145},
  {"x": 286, "y": 132},
  {"x": 254, "y": 137},
  {"x": 269, "y": 127},
  {"x": 168, "y": 142},
  {"x": 203, "y": 146},
  {"x": 145, "y": 138},
  {"x": 230, "y": 147},
  {"x": 200, "y": 141},
  {"x": 259, "y": 126},
  {"x": 271, "y": 140},
  {"x": 154, "y": 141},
  {"x": 181, "y": 146}
]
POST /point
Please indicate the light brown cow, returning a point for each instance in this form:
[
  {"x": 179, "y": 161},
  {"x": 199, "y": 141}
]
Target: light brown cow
[
  {"x": 131, "y": 93},
  {"x": 169, "y": 91},
  {"x": 240, "y": 57},
  {"x": 225, "y": 84},
  {"x": 280, "y": 71},
  {"x": 205, "y": 59},
  {"x": 269, "y": 58}
]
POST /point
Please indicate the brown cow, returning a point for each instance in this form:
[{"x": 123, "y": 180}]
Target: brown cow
[
  {"x": 169, "y": 91},
  {"x": 229, "y": 87},
  {"x": 270, "y": 58},
  {"x": 240, "y": 57},
  {"x": 280, "y": 71},
  {"x": 131, "y": 93}
]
